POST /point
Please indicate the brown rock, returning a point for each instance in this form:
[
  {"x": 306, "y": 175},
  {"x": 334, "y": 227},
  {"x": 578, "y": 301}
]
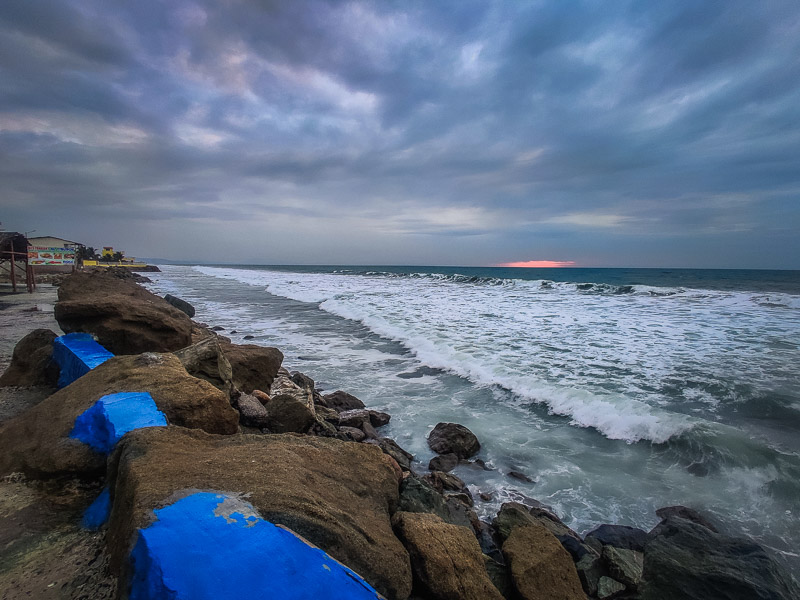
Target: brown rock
[
  {"x": 251, "y": 412},
  {"x": 355, "y": 434},
  {"x": 443, "y": 462},
  {"x": 341, "y": 401},
  {"x": 254, "y": 367},
  {"x": 262, "y": 397},
  {"x": 540, "y": 567},
  {"x": 287, "y": 414},
  {"x": 337, "y": 495},
  {"x": 453, "y": 438},
  {"x": 125, "y": 318},
  {"x": 379, "y": 419},
  {"x": 31, "y": 361},
  {"x": 38, "y": 443},
  {"x": 354, "y": 418},
  {"x": 446, "y": 559}
]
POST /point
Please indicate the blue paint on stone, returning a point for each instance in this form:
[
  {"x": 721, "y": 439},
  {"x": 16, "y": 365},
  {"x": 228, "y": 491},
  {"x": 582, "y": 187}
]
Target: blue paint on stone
[
  {"x": 103, "y": 424},
  {"x": 76, "y": 354},
  {"x": 97, "y": 514},
  {"x": 208, "y": 546}
]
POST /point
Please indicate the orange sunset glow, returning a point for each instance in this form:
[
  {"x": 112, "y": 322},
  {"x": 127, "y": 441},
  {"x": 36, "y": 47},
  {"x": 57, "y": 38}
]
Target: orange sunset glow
[{"x": 539, "y": 264}]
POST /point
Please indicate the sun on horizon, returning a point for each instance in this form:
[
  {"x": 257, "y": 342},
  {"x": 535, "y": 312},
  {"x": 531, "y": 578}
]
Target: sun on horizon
[{"x": 528, "y": 264}]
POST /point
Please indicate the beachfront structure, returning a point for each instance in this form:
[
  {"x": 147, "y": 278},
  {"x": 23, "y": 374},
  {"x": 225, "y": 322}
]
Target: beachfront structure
[
  {"x": 48, "y": 241},
  {"x": 14, "y": 259}
]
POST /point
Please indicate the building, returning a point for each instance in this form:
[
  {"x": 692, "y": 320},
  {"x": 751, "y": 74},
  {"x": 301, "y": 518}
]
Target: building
[
  {"x": 52, "y": 242},
  {"x": 43, "y": 261}
]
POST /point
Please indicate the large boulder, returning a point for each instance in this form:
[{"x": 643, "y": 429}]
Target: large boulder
[
  {"x": 341, "y": 401},
  {"x": 540, "y": 567},
  {"x": 253, "y": 367},
  {"x": 452, "y": 438},
  {"x": 31, "y": 362},
  {"x": 124, "y": 317},
  {"x": 287, "y": 414},
  {"x": 38, "y": 442},
  {"x": 339, "y": 496},
  {"x": 685, "y": 559},
  {"x": 619, "y": 536},
  {"x": 446, "y": 559},
  {"x": 180, "y": 304}
]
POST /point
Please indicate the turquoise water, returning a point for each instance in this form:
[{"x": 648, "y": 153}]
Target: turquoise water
[{"x": 616, "y": 390}]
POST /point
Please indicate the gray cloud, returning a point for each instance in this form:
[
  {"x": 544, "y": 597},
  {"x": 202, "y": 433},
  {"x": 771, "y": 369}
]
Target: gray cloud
[{"x": 466, "y": 132}]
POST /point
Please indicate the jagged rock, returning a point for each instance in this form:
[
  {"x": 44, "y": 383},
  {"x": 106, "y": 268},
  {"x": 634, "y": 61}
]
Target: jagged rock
[
  {"x": 328, "y": 414},
  {"x": 464, "y": 497},
  {"x": 442, "y": 481},
  {"x": 446, "y": 559},
  {"x": 417, "y": 496},
  {"x": 181, "y": 305},
  {"x": 302, "y": 381},
  {"x": 341, "y": 401},
  {"x": 514, "y": 514},
  {"x": 337, "y": 495},
  {"x": 253, "y": 367},
  {"x": 125, "y": 318},
  {"x": 684, "y": 559},
  {"x": 619, "y": 536},
  {"x": 390, "y": 447},
  {"x": 252, "y": 412},
  {"x": 443, "y": 462},
  {"x": 608, "y": 588},
  {"x": 378, "y": 418},
  {"x": 369, "y": 430},
  {"x": 38, "y": 442},
  {"x": 623, "y": 565},
  {"x": 540, "y": 567},
  {"x": 354, "y": 433},
  {"x": 685, "y": 513},
  {"x": 590, "y": 571},
  {"x": 447, "y": 438},
  {"x": 31, "y": 362},
  {"x": 205, "y": 360},
  {"x": 520, "y": 476},
  {"x": 353, "y": 418},
  {"x": 286, "y": 414}
]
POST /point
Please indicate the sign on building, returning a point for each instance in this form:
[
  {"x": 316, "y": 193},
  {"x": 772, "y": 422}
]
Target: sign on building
[{"x": 39, "y": 255}]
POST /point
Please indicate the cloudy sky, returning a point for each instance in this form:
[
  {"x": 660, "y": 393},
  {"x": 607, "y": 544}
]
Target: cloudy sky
[{"x": 406, "y": 132}]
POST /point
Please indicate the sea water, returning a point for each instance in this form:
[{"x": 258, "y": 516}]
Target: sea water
[{"x": 616, "y": 391}]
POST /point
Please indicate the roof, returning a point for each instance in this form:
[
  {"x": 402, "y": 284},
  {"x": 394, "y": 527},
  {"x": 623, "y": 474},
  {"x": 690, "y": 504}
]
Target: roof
[
  {"x": 15, "y": 240},
  {"x": 52, "y": 237}
]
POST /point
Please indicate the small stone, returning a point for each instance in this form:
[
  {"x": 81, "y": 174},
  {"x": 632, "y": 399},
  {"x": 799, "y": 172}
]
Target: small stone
[
  {"x": 262, "y": 397},
  {"x": 485, "y": 496},
  {"x": 520, "y": 476},
  {"x": 379, "y": 419},
  {"x": 452, "y": 437},
  {"x": 249, "y": 337}
]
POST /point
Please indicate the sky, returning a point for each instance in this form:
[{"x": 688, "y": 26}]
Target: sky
[{"x": 631, "y": 134}]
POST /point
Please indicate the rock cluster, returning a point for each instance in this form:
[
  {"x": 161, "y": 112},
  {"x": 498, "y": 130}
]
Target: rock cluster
[{"x": 243, "y": 425}]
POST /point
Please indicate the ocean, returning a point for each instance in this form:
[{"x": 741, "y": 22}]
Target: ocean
[{"x": 617, "y": 391}]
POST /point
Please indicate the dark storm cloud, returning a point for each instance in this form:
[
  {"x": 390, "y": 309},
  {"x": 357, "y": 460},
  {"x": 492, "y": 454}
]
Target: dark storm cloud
[{"x": 471, "y": 132}]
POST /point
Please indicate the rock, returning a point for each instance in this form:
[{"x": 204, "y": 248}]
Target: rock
[
  {"x": 443, "y": 462},
  {"x": 685, "y": 513},
  {"x": 520, "y": 476},
  {"x": 489, "y": 541},
  {"x": 262, "y": 397},
  {"x": 254, "y": 367},
  {"x": 302, "y": 381},
  {"x": 684, "y": 559},
  {"x": 249, "y": 337},
  {"x": 369, "y": 430},
  {"x": 328, "y": 414},
  {"x": 452, "y": 438},
  {"x": 341, "y": 401},
  {"x": 390, "y": 447},
  {"x": 464, "y": 498},
  {"x": 540, "y": 568},
  {"x": 589, "y": 572},
  {"x": 217, "y": 328},
  {"x": 485, "y": 496},
  {"x": 514, "y": 514},
  {"x": 125, "y": 318},
  {"x": 287, "y": 414},
  {"x": 445, "y": 481},
  {"x": 38, "y": 442},
  {"x": 353, "y": 418},
  {"x": 418, "y": 496},
  {"x": 181, "y": 305},
  {"x": 379, "y": 419},
  {"x": 337, "y": 495},
  {"x": 354, "y": 433},
  {"x": 623, "y": 565},
  {"x": 619, "y": 536},
  {"x": 608, "y": 588},
  {"x": 31, "y": 362},
  {"x": 446, "y": 560},
  {"x": 252, "y": 412}
]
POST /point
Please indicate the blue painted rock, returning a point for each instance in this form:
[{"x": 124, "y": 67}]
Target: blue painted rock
[
  {"x": 208, "y": 546},
  {"x": 337, "y": 495},
  {"x": 38, "y": 442}
]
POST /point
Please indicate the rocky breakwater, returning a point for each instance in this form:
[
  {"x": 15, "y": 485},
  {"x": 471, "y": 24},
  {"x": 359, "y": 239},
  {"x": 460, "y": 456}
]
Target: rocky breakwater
[{"x": 262, "y": 444}]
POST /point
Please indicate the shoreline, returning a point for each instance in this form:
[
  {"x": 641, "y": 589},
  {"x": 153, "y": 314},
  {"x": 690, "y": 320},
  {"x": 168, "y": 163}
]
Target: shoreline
[{"x": 339, "y": 416}]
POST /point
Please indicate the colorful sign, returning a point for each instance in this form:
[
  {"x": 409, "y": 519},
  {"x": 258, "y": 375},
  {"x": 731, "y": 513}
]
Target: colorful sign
[{"x": 39, "y": 255}]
